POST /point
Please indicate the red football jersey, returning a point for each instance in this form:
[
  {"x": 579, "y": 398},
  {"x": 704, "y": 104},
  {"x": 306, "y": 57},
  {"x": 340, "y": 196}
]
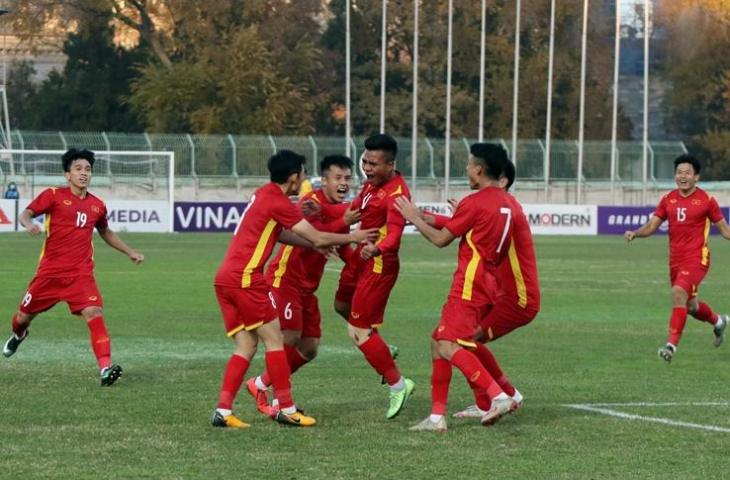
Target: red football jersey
[
  {"x": 303, "y": 267},
  {"x": 517, "y": 276},
  {"x": 377, "y": 209},
  {"x": 689, "y": 225},
  {"x": 69, "y": 221},
  {"x": 483, "y": 220},
  {"x": 267, "y": 213}
]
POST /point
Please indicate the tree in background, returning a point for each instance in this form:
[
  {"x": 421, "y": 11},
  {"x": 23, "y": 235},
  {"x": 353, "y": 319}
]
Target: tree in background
[
  {"x": 89, "y": 93},
  {"x": 698, "y": 67}
]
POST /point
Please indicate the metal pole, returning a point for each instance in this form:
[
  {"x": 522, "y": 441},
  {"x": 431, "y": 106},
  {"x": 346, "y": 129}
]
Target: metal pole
[
  {"x": 171, "y": 190},
  {"x": 447, "y": 149},
  {"x": 348, "y": 120},
  {"x": 614, "y": 122},
  {"x": 549, "y": 117},
  {"x": 383, "y": 55},
  {"x": 581, "y": 120},
  {"x": 414, "y": 126},
  {"x": 516, "y": 93},
  {"x": 482, "y": 57},
  {"x": 645, "y": 140},
  {"x": 234, "y": 156}
]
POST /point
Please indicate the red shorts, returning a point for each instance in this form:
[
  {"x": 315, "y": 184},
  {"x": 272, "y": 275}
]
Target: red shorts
[
  {"x": 503, "y": 317},
  {"x": 44, "y": 292},
  {"x": 688, "y": 278},
  {"x": 371, "y": 296},
  {"x": 298, "y": 311},
  {"x": 245, "y": 308},
  {"x": 459, "y": 322}
]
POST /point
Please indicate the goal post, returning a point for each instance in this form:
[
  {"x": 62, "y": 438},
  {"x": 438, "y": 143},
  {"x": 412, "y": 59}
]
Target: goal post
[{"x": 119, "y": 175}]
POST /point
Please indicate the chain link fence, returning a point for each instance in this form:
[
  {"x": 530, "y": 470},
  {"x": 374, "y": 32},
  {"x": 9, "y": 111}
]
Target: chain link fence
[{"x": 234, "y": 156}]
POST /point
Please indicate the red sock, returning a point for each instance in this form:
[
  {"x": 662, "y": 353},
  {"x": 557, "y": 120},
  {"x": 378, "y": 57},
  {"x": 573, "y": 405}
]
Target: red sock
[
  {"x": 705, "y": 313},
  {"x": 440, "y": 380},
  {"x": 18, "y": 329},
  {"x": 295, "y": 359},
  {"x": 100, "y": 343},
  {"x": 378, "y": 356},
  {"x": 232, "y": 380},
  {"x": 676, "y": 324},
  {"x": 487, "y": 359},
  {"x": 280, "y": 374},
  {"x": 474, "y": 372}
]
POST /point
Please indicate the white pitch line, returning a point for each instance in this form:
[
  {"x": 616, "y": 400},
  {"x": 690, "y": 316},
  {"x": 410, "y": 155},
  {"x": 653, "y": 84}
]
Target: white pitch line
[
  {"x": 660, "y": 404},
  {"x": 664, "y": 421}
]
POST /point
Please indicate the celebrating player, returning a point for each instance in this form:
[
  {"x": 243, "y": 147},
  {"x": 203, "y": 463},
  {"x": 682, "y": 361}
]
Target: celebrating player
[
  {"x": 244, "y": 297},
  {"x": 66, "y": 268},
  {"x": 371, "y": 273},
  {"x": 483, "y": 220},
  {"x": 689, "y": 211},
  {"x": 517, "y": 302},
  {"x": 295, "y": 273}
]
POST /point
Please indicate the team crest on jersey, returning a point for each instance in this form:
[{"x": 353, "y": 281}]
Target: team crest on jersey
[
  {"x": 696, "y": 202},
  {"x": 68, "y": 202},
  {"x": 672, "y": 200},
  {"x": 381, "y": 194},
  {"x": 95, "y": 209}
]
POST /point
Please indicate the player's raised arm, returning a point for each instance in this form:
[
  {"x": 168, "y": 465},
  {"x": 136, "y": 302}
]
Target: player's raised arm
[
  {"x": 117, "y": 243},
  {"x": 26, "y": 220},
  {"x": 645, "y": 230},
  {"x": 439, "y": 237},
  {"x": 325, "y": 239}
]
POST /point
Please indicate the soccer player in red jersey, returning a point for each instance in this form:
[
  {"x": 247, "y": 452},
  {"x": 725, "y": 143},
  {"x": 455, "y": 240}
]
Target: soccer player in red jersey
[
  {"x": 518, "y": 298},
  {"x": 296, "y": 272},
  {"x": 66, "y": 267},
  {"x": 690, "y": 211},
  {"x": 373, "y": 268},
  {"x": 244, "y": 297},
  {"x": 483, "y": 220}
]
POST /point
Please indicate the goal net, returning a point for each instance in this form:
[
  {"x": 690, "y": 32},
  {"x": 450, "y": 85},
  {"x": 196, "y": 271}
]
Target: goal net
[{"x": 137, "y": 186}]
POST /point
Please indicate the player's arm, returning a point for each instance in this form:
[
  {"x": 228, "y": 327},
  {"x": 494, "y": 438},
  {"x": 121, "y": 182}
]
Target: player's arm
[
  {"x": 723, "y": 228},
  {"x": 290, "y": 238},
  {"x": 439, "y": 237},
  {"x": 325, "y": 239},
  {"x": 645, "y": 230},
  {"x": 26, "y": 220},
  {"x": 116, "y": 243}
]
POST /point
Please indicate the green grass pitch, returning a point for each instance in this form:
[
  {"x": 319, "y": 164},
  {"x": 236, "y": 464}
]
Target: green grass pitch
[{"x": 605, "y": 311}]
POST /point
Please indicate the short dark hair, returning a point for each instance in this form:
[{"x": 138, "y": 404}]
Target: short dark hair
[
  {"x": 492, "y": 156},
  {"x": 687, "y": 158},
  {"x": 509, "y": 174},
  {"x": 73, "y": 154},
  {"x": 337, "y": 160},
  {"x": 381, "y": 141},
  {"x": 283, "y": 164}
]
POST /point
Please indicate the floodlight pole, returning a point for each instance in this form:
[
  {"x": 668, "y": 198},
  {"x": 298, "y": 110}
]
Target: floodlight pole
[
  {"x": 516, "y": 92},
  {"x": 548, "y": 118},
  {"x": 383, "y": 55},
  {"x": 645, "y": 139},
  {"x": 414, "y": 123},
  {"x": 447, "y": 147},
  {"x": 614, "y": 121},
  {"x": 581, "y": 120},
  {"x": 348, "y": 116},
  {"x": 482, "y": 61}
]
